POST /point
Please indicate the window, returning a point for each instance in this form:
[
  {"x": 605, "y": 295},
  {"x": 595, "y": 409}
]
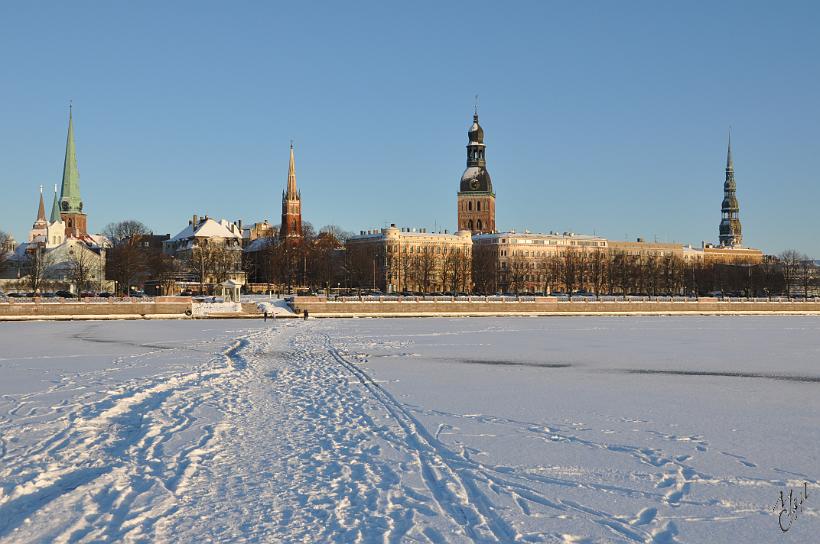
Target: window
[
  {"x": 470, "y": 206},
  {"x": 479, "y": 224},
  {"x": 470, "y": 224},
  {"x": 478, "y": 206}
]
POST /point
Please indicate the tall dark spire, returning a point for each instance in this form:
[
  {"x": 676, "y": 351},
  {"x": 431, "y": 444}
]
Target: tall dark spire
[{"x": 730, "y": 228}]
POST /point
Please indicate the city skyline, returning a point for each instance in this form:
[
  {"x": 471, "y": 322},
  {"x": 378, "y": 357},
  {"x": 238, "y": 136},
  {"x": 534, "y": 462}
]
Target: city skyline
[{"x": 555, "y": 165}]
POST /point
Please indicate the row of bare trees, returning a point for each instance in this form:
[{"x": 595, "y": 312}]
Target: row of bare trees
[
  {"x": 601, "y": 271},
  {"x": 377, "y": 267},
  {"x": 132, "y": 259},
  {"x": 313, "y": 260},
  {"x": 38, "y": 270}
]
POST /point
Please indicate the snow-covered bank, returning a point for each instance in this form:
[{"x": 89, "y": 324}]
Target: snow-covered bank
[{"x": 444, "y": 430}]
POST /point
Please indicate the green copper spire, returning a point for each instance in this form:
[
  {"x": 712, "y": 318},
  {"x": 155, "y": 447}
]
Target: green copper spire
[
  {"x": 55, "y": 208},
  {"x": 70, "y": 201}
]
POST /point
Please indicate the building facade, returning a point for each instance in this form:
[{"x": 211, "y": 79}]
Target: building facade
[
  {"x": 209, "y": 252},
  {"x": 525, "y": 262},
  {"x": 476, "y": 199},
  {"x": 410, "y": 260}
]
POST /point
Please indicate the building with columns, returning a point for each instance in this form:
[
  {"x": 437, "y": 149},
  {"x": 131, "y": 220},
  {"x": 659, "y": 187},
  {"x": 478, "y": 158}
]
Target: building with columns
[{"x": 476, "y": 199}]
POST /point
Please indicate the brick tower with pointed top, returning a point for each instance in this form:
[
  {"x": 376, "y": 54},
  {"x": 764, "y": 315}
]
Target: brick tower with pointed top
[
  {"x": 291, "y": 227},
  {"x": 476, "y": 199},
  {"x": 71, "y": 204}
]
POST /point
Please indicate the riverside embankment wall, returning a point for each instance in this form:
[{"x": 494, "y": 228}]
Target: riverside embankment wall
[
  {"x": 161, "y": 307},
  {"x": 318, "y": 307}
]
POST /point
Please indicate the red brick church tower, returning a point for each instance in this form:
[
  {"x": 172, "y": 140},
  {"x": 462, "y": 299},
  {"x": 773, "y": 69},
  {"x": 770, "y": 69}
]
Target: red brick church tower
[
  {"x": 291, "y": 226},
  {"x": 476, "y": 199}
]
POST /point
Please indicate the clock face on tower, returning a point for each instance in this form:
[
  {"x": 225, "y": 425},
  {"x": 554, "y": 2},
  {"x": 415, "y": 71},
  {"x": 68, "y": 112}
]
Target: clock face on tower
[{"x": 474, "y": 184}]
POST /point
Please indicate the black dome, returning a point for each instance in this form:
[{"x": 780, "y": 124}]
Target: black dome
[
  {"x": 476, "y": 179},
  {"x": 476, "y": 133}
]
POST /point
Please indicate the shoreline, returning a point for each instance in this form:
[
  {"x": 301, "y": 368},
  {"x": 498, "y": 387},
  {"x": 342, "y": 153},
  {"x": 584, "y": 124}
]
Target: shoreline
[{"x": 395, "y": 315}]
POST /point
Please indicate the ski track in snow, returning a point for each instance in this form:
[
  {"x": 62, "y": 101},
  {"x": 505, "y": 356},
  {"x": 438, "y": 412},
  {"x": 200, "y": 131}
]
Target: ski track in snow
[{"x": 285, "y": 437}]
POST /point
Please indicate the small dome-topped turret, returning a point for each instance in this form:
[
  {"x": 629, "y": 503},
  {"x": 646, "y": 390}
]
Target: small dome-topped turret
[
  {"x": 476, "y": 133},
  {"x": 730, "y": 203}
]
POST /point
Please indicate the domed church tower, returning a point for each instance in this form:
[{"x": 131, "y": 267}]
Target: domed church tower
[
  {"x": 476, "y": 199},
  {"x": 730, "y": 231}
]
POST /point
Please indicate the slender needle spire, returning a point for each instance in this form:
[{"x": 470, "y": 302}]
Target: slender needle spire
[
  {"x": 291, "y": 193},
  {"x": 55, "y": 207},
  {"x": 70, "y": 190},
  {"x": 41, "y": 210}
]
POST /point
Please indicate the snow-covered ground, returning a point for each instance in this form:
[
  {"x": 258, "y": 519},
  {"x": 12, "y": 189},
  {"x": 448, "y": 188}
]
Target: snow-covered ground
[{"x": 581, "y": 429}]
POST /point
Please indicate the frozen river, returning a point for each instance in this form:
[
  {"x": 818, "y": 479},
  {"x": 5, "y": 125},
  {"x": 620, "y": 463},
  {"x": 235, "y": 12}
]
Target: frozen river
[{"x": 581, "y": 429}]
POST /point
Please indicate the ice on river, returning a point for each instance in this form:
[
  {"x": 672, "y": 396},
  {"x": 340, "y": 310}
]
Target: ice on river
[{"x": 578, "y": 429}]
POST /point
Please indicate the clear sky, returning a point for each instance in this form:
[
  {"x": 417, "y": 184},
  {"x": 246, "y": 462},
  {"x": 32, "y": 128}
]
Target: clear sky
[{"x": 604, "y": 117}]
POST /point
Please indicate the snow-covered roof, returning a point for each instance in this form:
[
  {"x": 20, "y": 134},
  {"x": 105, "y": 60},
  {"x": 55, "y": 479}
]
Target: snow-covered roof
[
  {"x": 259, "y": 244},
  {"x": 208, "y": 228}
]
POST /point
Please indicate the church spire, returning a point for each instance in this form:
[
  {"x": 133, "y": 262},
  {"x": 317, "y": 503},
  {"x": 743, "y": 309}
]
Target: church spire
[
  {"x": 730, "y": 228},
  {"x": 292, "y": 193},
  {"x": 55, "y": 208},
  {"x": 41, "y": 210},
  {"x": 70, "y": 200},
  {"x": 291, "y": 226}
]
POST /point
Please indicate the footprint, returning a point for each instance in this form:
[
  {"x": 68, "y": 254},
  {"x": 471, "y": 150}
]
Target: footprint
[
  {"x": 665, "y": 534},
  {"x": 645, "y": 516},
  {"x": 667, "y": 481},
  {"x": 740, "y": 459}
]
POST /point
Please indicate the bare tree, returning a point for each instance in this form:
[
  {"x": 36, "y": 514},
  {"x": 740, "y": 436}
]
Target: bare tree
[
  {"x": 423, "y": 267},
  {"x": 790, "y": 264},
  {"x": 5, "y": 250},
  {"x": 336, "y": 231},
  {"x": 807, "y": 272},
  {"x": 485, "y": 269},
  {"x": 37, "y": 265},
  {"x": 570, "y": 262},
  {"x": 164, "y": 269},
  {"x": 128, "y": 231},
  {"x": 200, "y": 262},
  {"x": 81, "y": 264},
  {"x": 516, "y": 271},
  {"x": 597, "y": 270}
]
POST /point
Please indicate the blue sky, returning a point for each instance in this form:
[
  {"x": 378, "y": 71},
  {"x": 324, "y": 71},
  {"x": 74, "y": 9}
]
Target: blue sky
[{"x": 599, "y": 117}]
